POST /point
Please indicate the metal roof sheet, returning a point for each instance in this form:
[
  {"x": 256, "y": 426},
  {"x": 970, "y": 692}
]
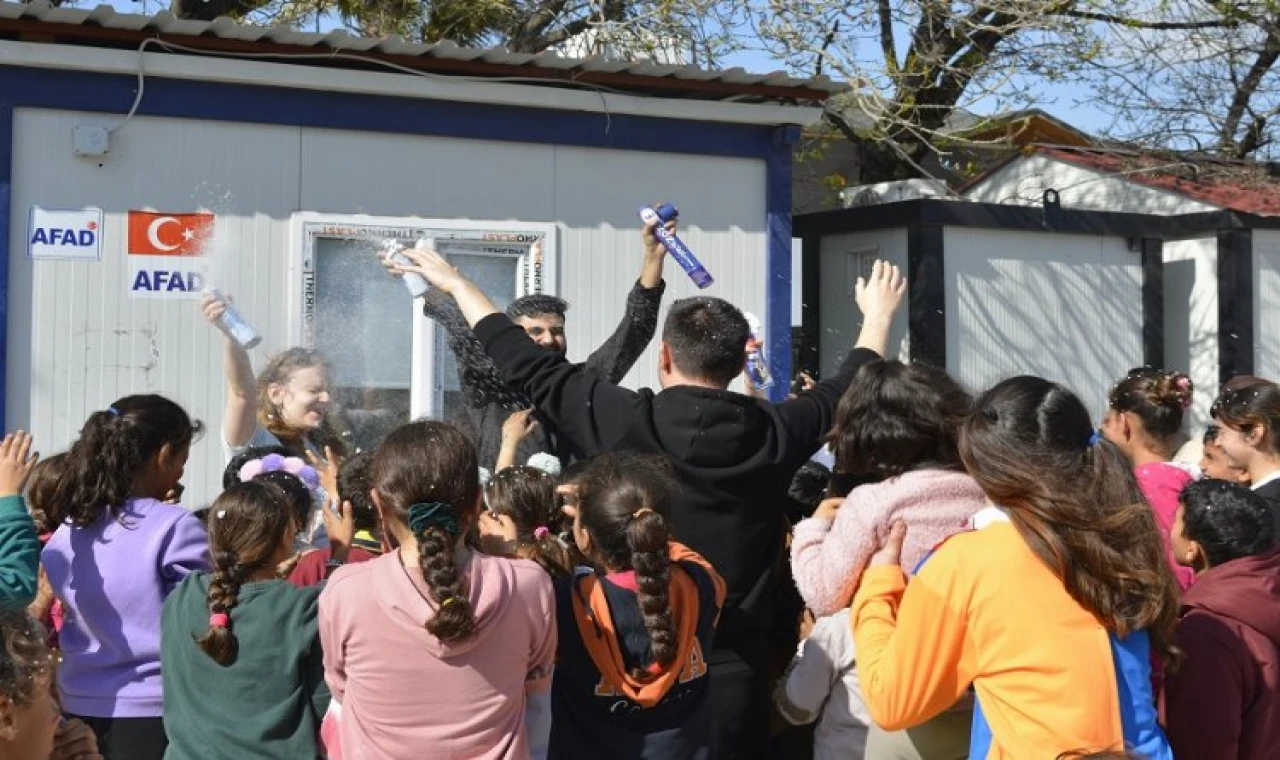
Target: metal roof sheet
[{"x": 732, "y": 83}]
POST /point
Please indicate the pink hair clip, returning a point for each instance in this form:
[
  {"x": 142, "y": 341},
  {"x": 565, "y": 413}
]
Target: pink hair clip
[
  {"x": 540, "y": 532},
  {"x": 219, "y": 620}
]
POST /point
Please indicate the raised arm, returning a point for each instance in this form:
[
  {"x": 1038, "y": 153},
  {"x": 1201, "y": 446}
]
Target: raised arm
[
  {"x": 810, "y": 414},
  {"x": 19, "y": 544},
  {"x": 914, "y": 658},
  {"x": 579, "y": 403},
  {"x": 477, "y": 374},
  {"x": 239, "y": 417},
  {"x": 617, "y": 355}
]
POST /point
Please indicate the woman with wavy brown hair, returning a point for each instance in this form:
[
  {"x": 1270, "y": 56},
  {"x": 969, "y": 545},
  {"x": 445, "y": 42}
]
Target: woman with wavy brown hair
[{"x": 1048, "y": 609}]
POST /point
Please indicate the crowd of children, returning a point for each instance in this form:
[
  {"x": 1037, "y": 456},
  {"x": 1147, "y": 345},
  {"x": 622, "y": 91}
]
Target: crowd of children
[{"x": 996, "y": 576}]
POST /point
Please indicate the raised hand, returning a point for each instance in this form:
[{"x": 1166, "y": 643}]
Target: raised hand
[
  {"x": 16, "y": 462},
  {"x": 213, "y": 308},
  {"x": 880, "y": 295},
  {"x": 519, "y": 425},
  {"x": 432, "y": 266}
]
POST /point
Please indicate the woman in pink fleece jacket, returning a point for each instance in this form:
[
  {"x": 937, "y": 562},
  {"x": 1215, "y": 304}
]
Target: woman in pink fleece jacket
[
  {"x": 896, "y": 428},
  {"x": 1143, "y": 420}
]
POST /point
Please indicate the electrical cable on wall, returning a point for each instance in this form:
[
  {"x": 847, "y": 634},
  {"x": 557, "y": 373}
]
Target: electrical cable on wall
[{"x": 172, "y": 47}]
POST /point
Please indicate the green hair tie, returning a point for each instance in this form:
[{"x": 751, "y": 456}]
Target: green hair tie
[{"x": 433, "y": 514}]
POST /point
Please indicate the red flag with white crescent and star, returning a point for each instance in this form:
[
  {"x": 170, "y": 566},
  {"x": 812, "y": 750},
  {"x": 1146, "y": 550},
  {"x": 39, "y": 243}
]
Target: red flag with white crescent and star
[{"x": 157, "y": 234}]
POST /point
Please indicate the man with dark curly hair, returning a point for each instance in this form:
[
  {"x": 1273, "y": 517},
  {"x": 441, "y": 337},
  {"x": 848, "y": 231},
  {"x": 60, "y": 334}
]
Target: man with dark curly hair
[{"x": 489, "y": 401}]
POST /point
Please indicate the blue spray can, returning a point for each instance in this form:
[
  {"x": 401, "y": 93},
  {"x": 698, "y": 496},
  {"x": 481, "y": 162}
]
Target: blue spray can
[
  {"x": 757, "y": 368},
  {"x": 674, "y": 245}
]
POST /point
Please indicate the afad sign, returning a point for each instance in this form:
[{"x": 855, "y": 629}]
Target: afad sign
[
  {"x": 165, "y": 254},
  {"x": 67, "y": 234}
]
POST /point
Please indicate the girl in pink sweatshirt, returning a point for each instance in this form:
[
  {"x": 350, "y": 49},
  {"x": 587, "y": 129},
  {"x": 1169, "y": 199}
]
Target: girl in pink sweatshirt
[
  {"x": 896, "y": 428},
  {"x": 1143, "y": 420},
  {"x": 434, "y": 650}
]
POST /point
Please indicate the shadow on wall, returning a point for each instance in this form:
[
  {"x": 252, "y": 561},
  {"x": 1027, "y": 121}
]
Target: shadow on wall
[{"x": 1076, "y": 322}]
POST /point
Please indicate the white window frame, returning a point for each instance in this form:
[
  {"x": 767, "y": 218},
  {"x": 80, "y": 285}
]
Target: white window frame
[{"x": 496, "y": 238}]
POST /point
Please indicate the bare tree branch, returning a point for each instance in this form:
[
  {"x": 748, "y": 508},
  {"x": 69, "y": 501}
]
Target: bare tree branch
[{"x": 1136, "y": 23}]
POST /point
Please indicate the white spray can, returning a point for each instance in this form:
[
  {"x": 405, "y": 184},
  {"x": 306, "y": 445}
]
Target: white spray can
[
  {"x": 391, "y": 251},
  {"x": 233, "y": 322}
]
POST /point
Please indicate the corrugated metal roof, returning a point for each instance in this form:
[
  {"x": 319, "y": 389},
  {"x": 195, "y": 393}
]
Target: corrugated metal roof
[
  {"x": 1245, "y": 186},
  {"x": 71, "y": 24}
]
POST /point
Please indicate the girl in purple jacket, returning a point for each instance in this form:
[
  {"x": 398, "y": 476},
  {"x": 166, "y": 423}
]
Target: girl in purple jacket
[{"x": 119, "y": 552}]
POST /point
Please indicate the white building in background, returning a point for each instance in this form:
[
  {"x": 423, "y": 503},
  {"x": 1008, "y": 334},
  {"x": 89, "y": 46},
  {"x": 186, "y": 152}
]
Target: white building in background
[
  {"x": 304, "y": 165},
  {"x": 1245, "y": 248},
  {"x": 1075, "y": 264}
]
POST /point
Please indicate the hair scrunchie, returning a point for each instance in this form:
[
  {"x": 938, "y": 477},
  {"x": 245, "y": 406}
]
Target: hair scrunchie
[{"x": 433, "y": 514}]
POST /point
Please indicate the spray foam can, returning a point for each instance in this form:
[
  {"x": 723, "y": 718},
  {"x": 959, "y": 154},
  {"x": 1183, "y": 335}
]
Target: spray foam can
[
  {"x": 233, "y": 322},
  {"x": 415, "y": 283},
  {"x": 674, "y": 245}
]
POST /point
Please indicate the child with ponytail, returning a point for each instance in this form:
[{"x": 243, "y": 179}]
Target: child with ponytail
[
  {"x": 631, "y": 678},
  {"x": 521, "y": 519},
  {"x": 432, "y": 649},
  {"x": 119, "y": 553},
  {"x": 243, "y": 671},
  {"x": 1144, "y": 421}
]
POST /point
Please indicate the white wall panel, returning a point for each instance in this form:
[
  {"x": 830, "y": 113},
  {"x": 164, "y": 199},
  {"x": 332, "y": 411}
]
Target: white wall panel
[
  {"x": 1065, "y": 307},
  {"x": 597, "y": 193},
  {"x": 82, "y": 342},
  {"x": 73, "y": 330},
  {"x": 1266, "y": 303},
  {"x": 593, "y": 194},
  {"x": 1191, "y": 319}
]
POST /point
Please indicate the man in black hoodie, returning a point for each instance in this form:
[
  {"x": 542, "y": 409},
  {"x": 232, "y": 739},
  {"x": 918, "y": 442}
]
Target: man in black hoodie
[
  {"x": 734, "y": 455},
  {"x": 488, "y": 401}
]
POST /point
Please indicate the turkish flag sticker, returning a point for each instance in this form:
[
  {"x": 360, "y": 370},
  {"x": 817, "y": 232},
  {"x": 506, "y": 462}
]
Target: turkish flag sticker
[{"x": 155, "y": 234}]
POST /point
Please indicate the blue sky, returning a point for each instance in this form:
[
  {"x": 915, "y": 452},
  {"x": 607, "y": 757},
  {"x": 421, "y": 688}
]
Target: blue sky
[{"x": 1064, "y": 100}]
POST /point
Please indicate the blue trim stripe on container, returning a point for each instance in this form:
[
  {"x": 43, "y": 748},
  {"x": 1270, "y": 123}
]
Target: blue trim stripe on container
[
  {"x": 217, "y": 101},
  {"x": 6, "y": 200},
  {"x": 778, "y": 268}
]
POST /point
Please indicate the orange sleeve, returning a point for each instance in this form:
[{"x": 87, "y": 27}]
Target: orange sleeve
[
  {"x": 681, "y": 553},
  {"x": 912, "y": 647}
]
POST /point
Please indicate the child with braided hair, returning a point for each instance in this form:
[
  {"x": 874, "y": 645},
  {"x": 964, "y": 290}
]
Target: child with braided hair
[
  {"x": 433, "y": 649},
  {"x": 243, "y": 671},
  {"x": 521, "y": 518},
  {"x": 631, "y": 678}
]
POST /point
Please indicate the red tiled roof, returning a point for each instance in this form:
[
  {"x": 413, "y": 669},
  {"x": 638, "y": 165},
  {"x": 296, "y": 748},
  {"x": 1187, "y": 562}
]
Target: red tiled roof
[{"x": 1243, "y": 186}]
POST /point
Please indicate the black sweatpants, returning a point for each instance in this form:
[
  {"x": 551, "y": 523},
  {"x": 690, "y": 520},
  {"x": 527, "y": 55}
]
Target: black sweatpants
[
  {"x": 129, "y": 738},
  {"x": 740, "y": 693}
]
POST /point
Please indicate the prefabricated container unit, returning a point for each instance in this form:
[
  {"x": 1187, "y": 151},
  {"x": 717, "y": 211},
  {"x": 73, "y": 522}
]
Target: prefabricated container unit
[
  {"x": 1079, "y": 297},
  {"x": 306, "y": 171},
  {"x": 1241, "y": 248}
]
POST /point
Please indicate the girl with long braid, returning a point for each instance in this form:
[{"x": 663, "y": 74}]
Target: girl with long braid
[
  {"x": 631, "y": 678},
  {"x": 434, "y": 649},
  {"x": 240, "y": 650}
]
